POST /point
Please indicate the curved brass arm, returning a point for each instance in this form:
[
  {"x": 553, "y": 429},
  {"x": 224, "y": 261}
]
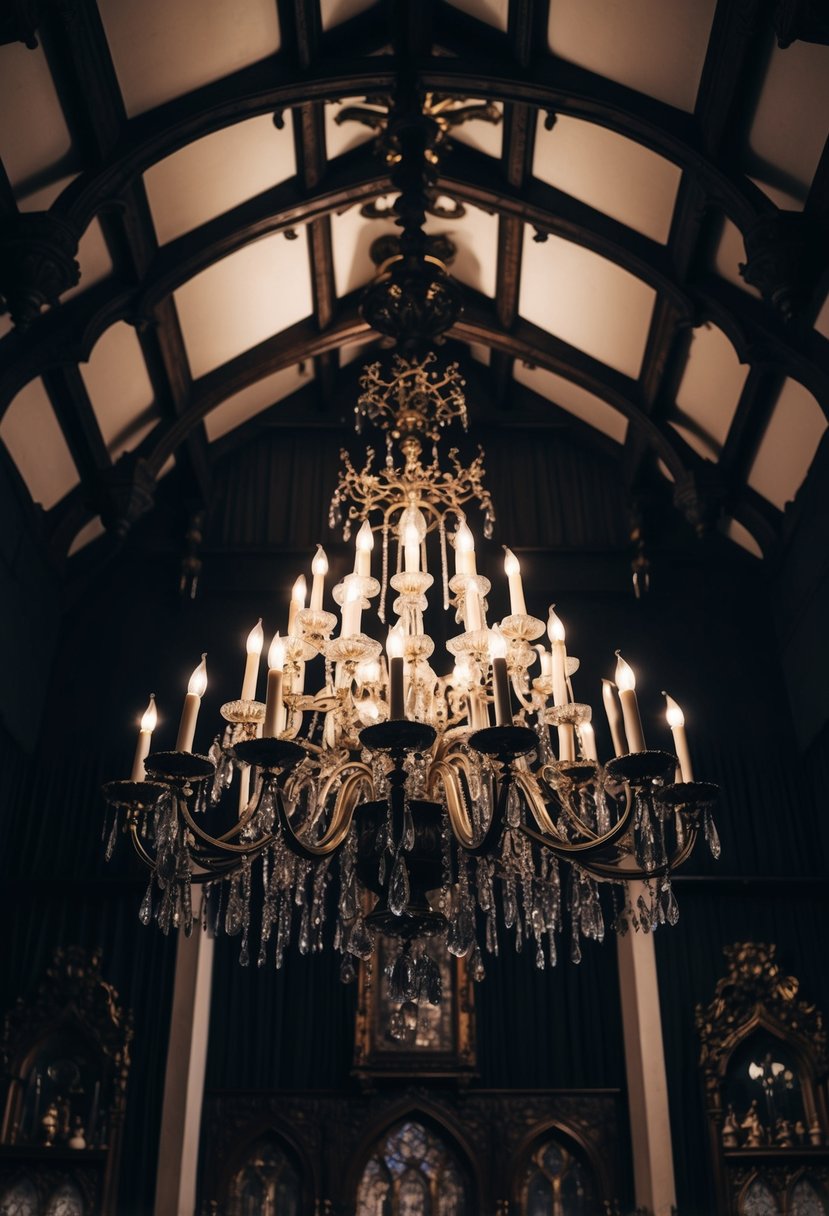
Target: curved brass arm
[
  {"x": 605, "y": 872},
  {"x": 562, "y": 848},
  {"x": 347, "y": 799}
]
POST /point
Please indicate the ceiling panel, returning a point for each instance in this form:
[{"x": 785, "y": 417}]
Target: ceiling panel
[
  {"x": 822, "y": 322},
  {"x": 87, "y": 534},
  {"x": 119, "y": 388},
  {"x": 475, "y": 236},
  {"x": 734, "y": 530},
  {"x": 163, "y": 50},
  {"x": 588, "y": 301},
  {"x": 256, "y": 397},
  {"x": 243, "y": 299},
  {"x": 218, "y": 172},
  {"x": 487, "y": 137},
  {"x": 334, "y": 12},
  {"x": 789, "y": 130},
  {"x": 34, "y": 136},
  {"x": 609, "y": 172},
  {"x": 575, "y": 400},
  {"x": 788, "y": 446},
  {"x": 654, "y": 46},
  {"x": 709, "y": 391},
  {"x": 35, "y": 442},
  {"x": 493, "y": 12}
]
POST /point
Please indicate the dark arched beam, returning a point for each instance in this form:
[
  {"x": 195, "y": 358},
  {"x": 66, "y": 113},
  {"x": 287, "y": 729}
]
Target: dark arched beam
[{"x": 552, "y": 85}]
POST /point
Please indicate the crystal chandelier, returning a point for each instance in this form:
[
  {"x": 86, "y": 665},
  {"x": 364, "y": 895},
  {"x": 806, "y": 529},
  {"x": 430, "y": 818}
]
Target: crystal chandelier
[
  {"x": 446, "y": 800},
  {"x": 432, "y": 804}
]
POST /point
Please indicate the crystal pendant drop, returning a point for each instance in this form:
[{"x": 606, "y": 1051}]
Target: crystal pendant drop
[
  {"x": 712, "y": 837},
  {"x": 145, "y": 912},
  {"x": 399, "y": 889}
]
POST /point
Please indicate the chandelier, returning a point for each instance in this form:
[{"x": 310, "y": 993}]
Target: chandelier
[{"x": 431, "y": 804}]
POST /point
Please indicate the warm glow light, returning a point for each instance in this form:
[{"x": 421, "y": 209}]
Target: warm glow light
[
  {"x": 555, "y": 626},
  {"x": 464, "y": 540},
  {"x": 411, "y": 535},
  {"x": 365, "y": 537},
  {"x": 352, "y": 593},
  {"x": 319, "y": 565},
  {"x": 368, "y": 672},
  {"x": 394, "y": 643},
  {"x": 300, "y": 587},
  {"x": 625, "y": 679},
  {"x": 673, "y": 713},
  {"x": 497, "y": 644},
  {"x": 256, "y": 639},
  {"x": 511, "y": 563},
  {"x": 149, "y": 718},
  {"x": 461, "y": 675},
  {"x": 276, "y": 654},
  {"x": 198, "y": 680}
]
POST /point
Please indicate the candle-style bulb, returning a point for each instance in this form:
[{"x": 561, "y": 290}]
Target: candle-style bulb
[
  {"x": 497, "y": 644},
  {"x": 149, "y": 719},
  {"x": 625, "y": 679},
  {"x": 319, "y": 563},
  {"x": 394, "y": 643},
  {"x": 511, "y": 563},
  {"x": 365, "y": 537},
  {"x": 464, "y": 540},
  {"x": 197, "y": 683},
  {"x": 276, "y": 653},
  {"x": 368, "y": 672},
  {"x": 300, "y": 588},
  {"x": 673, "y": 712},
  {"x": 555, "y": 626},
  {"x": 256, "y": 639}
]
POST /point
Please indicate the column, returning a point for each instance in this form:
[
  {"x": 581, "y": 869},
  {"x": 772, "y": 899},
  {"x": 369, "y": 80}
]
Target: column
[
  {"x": 178, "y": 1151},
  {"x": 650, "y": 1126}
]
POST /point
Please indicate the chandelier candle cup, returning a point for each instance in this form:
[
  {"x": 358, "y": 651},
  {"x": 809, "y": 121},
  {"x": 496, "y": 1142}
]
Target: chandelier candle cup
[
  {"x": 394, "y": 650},
  {"x": 500, "y": 679},
  {"x": 298, "y": 594},
  {"x": 149, "y": 719},
  {"x": 512, "y": 569},
  {"x": 364, "y": 546},
  {"x": 319, "y": 569},
  {"x": 253, "y": 648},
  {"x": 192, "y": 704},
  {"x": 273, "y": 704},
  {"x": 676, "y": 721},
  {"x": 614, "y": 717},
  {"x": 626, "y": 683}
]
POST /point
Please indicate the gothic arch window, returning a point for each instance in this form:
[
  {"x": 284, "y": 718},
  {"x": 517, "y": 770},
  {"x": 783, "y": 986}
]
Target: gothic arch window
[
  {"x": 555, "y": 1182},
  {"x": 268, "y": 1184},
  {"x": 412, "y": 1172},
  {"x": 808, "y": 1199},
  {"x": 759, "y": 1200},
  {"x": 20, "y": 1199}
]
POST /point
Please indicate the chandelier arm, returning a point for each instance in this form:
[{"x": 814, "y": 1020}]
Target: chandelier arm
[
  {"x": 144, "y": 856},
  {"x": 607, "y": 872},
  {"x": 218, "y": 842},
  {"x": 344, "y": 808},
  {"x": 528, "y": 785},
  {"x": 584, "y": 848},
  {"x": 443, "y": 772},
  {"x": 585, "y": 830},
  {"x": 519, "y": 696}
]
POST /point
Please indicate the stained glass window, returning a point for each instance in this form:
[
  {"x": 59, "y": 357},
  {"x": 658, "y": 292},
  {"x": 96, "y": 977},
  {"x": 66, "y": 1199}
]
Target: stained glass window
[
  {"x": 556, "y": 1183},
  {"x": 65, "y": 1201},
  {"x": 807, "y": 1200},
  {"x": 267, "y": 1184},
  {"x": 20, "y": 1199},
  {"x": 413, "y": 1173},
  {"x": 759, "y": 1200}
]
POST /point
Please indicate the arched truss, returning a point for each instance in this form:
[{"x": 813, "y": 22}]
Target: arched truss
[{"x": 526, "y": 85}]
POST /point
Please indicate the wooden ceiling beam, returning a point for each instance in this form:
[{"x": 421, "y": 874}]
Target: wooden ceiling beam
[
  {"x": 757, "y": 399},
  {"x": 79, "y": 424}
]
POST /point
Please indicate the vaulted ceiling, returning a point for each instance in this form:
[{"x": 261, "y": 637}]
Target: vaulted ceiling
[{"x": 640, "y": 222}]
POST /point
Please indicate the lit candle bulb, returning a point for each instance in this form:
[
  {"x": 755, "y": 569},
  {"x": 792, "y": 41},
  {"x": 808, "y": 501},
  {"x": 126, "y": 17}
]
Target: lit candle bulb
[
  {"x": 465, "y": 550},
  {"x": 587, "y": 737},
  {"x": 500, "y": 679},
  {"x": 319, "y": 569},
  {"x": 298, "y": 594},
  {"x": 394, "y": 650},
  {"x": 411, "y": 548},
  {"x": 253, "y": 647},
  {"x": 676, "y": 721},
  {"x": 192, "y": 703},
  {"x": 352, "y": 610},
  {"x": 512, "y": 569},
  {"x": 273, "y": 724},
  {"x": 546, "y": 661},
  {"x": 626, "y": 683},
  {"x": 364, "y": 546},
  {"x": 614, "y": 717},
  {"x": 555, "y": 632},
  {"x": 142, "y": 748},
  {"x": 368, "y": 672}
]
